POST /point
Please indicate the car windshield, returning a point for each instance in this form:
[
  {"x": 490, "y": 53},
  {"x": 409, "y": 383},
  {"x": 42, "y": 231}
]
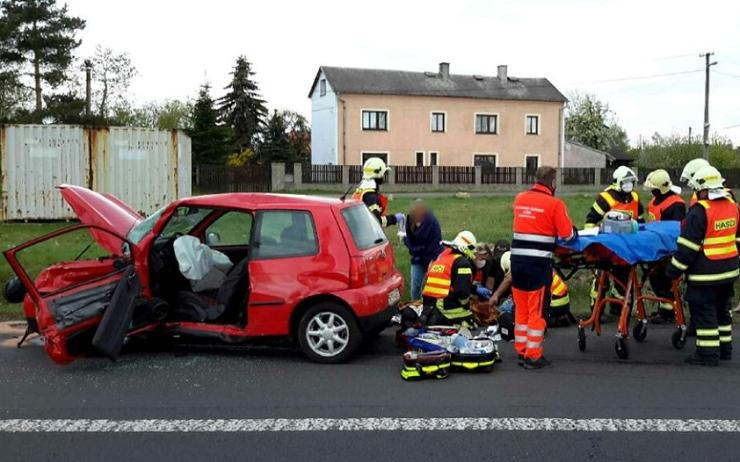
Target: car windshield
[
  {"x": 138, "y": 232},
  {"x": 365, "y": 229}
]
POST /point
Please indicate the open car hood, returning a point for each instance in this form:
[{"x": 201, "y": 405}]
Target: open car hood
[{"x": 102, "y": 210}]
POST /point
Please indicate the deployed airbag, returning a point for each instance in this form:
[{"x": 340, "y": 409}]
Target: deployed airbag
[{"x": 202, "y": 266}]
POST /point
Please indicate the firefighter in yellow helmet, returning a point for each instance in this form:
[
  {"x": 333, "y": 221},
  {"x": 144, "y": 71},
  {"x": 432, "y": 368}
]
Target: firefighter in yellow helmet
[
  {"x": 619, "y": 196},
  {"x": 665, "y": 205},
  {"x": 708, "y": 255},
  {"x": 368, "y": 191}
]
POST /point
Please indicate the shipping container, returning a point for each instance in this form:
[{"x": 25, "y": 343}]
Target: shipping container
[{"x": 146, "y": 168}]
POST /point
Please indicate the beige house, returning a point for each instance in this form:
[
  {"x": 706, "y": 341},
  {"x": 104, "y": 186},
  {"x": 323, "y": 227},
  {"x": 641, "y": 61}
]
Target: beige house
[{"x": 435, "y": 118}]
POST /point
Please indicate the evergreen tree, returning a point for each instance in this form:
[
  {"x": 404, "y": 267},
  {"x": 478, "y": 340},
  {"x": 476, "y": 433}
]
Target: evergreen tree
[
  {"x": 275, "y": 146},
  {"x": 242, "y": 109},
  {"x": 37, "y": 38},
  {"x": 208, "y": 137}
]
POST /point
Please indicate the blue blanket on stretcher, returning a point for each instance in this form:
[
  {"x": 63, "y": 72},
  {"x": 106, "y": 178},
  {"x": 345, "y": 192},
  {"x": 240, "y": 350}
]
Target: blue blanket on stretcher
[{"x": 652, "y": 242}]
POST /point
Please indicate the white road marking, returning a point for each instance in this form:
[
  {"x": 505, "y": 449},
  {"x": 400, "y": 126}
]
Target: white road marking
[{"x": 368, "y": 425}]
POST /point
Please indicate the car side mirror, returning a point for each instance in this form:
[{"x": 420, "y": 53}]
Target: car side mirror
[{"x": 213, "y": 238}]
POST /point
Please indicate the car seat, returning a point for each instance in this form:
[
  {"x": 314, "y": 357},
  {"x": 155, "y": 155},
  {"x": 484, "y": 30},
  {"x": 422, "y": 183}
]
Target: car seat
[{"x": 227, "y": 305}]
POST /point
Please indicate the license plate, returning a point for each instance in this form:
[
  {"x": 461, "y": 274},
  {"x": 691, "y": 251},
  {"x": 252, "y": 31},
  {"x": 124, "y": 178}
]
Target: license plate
[{"x": 394, "y": 296}]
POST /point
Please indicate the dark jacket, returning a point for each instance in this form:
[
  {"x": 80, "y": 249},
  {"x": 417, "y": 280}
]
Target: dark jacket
[{"x": 424, "y": 242}]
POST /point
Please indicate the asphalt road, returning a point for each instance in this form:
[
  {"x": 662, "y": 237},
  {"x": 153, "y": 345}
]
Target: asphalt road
[{"x": 189, "y": 384}]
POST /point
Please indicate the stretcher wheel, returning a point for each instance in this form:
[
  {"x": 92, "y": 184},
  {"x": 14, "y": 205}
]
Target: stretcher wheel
[
  {"x": 621, "y": 348},
  {"x": 581, "y": 339},
  {"x": 639, "y": 332},
  {"x": 678, "y": 339}
]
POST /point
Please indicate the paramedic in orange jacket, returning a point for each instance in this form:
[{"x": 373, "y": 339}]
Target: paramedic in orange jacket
[
  {"x": 666, "y": 205},
  {"x": 539, "y": 220}
]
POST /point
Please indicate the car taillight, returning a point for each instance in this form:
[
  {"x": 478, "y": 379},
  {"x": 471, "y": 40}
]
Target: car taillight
[{"x": 358, "y": 274}]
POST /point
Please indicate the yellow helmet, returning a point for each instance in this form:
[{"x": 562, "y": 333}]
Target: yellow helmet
[
  {"x": 506, "y": 262},
  {"x": 707, "y": 178},
  {"x": 622, "y": 174},
  {"x": 374, "y": 168},
  {"x": 660, "y": 180},
  {"x": 691, "y": 168},
  {"x": 464, "y": 243}
]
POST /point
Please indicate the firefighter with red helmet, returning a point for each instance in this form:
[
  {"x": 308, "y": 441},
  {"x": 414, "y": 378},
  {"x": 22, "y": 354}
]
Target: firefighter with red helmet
[
  {"x": 708, "y": 255},
  {"x": 539, "y": 220},
  {"x": 368, "y": 191},
  {"x": 665, "y": 205}
]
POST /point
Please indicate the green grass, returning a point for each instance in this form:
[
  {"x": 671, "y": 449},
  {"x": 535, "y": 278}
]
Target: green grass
[{"x": 488, "y": 217}]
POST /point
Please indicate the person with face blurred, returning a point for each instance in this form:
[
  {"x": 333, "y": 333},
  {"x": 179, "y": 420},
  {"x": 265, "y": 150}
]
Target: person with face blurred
[{"x": 424, "y": 240}]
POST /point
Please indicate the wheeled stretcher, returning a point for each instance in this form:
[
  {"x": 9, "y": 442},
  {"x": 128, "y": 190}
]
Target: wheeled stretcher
[{"x": 624, "y": 261}]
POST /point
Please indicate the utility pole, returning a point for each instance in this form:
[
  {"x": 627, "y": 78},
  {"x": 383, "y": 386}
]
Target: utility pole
[
  {"x": 88, "y": 87},
  {"x": 708, "y": 64},
  {"x": 689, "y": 134}
]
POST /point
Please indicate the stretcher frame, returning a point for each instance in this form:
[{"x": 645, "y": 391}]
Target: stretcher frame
[{"x": 632, "y": 289}]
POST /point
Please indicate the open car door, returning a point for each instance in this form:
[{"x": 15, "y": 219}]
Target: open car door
[{"x": 81, "y": 306}]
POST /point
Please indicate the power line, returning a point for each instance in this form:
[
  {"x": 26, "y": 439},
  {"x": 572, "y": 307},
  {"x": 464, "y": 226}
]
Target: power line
[
  {"x": 730, "y": 126},
  {"x": 643, "y": 77},
  {"x": 728, "y": 74}
]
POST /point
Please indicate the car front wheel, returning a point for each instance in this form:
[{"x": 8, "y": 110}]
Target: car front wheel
[{"x": 328, "y": 333}]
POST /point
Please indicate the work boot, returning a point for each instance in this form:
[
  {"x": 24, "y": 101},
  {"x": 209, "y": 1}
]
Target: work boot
[
  {"x": 520, "y": 359},
  {"x": 699, "y": 360},
  {"x": 663, "y": 317},
  {"x": 538, "y": 363}
]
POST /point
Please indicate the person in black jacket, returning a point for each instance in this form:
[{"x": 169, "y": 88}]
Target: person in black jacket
[{"x": 424, "y": 240}]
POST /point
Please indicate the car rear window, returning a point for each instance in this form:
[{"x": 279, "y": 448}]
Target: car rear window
[{"x": 365, "y": 229}]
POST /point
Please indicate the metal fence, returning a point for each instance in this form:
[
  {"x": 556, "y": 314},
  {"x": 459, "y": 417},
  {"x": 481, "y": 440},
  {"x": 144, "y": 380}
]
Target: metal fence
[
  {"x": 457, "y": 175},
  {"x": 412, "y": 175},
  {"x": 577, "y": 176},
  {"x": 321, "y": 174},
  {"x": 221, "y": 178},
  {"x": 498, "y": 175}
]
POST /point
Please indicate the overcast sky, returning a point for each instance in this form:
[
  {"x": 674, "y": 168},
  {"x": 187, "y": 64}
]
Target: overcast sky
[{"x": 577, "y": 44}]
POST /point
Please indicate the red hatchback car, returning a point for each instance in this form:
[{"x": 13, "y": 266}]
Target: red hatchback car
[{"x": 318, "y": 271}]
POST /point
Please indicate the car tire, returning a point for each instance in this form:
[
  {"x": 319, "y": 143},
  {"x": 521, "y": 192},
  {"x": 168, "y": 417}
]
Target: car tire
[{"x": 328, "y": 333}]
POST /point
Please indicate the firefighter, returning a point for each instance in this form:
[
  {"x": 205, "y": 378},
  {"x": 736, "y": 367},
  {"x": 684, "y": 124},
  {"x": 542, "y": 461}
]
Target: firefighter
[
  {"x": 448, "y": 286},
  {"x": 557, "y": 312},
  {"x": 539, "y": 219},
  {"x": 707, "y": 253},
  {"x": 619, "y": 196},
  {"x": 373, "y": 171},
  {"x": 688, "y": 172},
  {"x": 665, "y": 205}
]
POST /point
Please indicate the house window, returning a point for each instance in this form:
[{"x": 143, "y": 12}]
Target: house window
[
  {"x": 433, "y": 158},
  {"x": 322, "y": 87},
  {"x": 382, "y": 155},
  {"x": 420, "y": 158},
  {"x": 438, "y": 122},
  {"x": 486, "y": 124},
  {"x": 375, "y": 120},
  {"x": 531, "y": 162},
  {"x": 485, "y": 160},
  {"x": 533, "y": 125}
]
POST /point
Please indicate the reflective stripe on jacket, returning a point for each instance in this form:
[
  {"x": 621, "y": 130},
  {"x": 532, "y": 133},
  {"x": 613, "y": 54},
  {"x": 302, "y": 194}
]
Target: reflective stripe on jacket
[
  {"x": 558, "y": 291},
  {"x": 655, "y": 210},
  {"x": 439, "y": 283}
]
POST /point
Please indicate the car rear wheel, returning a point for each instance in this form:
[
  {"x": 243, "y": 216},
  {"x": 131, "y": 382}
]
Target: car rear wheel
[{"x": 328, "y": 333}]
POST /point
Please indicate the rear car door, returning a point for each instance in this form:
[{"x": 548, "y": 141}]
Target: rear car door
[{"x": 72, "y": 295}]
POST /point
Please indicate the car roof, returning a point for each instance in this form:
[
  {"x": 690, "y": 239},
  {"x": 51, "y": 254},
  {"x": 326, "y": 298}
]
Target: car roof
[{"x": 259, "y": 200}]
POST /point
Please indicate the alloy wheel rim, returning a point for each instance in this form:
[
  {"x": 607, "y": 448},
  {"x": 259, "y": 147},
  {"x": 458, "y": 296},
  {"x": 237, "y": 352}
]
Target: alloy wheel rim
[{"x": 327, "y": 334}]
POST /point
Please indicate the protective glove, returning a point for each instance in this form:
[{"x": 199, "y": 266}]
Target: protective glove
[
  {"x": 400, "y": 218},
  {"x": 483, "y": 292}
]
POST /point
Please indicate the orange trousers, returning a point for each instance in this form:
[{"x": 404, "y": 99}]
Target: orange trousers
[{"x": 529, "y": 325}]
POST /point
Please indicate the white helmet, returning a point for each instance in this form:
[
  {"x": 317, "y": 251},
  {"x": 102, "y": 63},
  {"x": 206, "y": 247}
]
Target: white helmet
[
  {"x": 707, "y": 178},
  {"x": 660, "y": 180},
  {"x": 691, "y": 168},
  {"x": 506, "y": 262},
  {"x": 623, "y": 174},
  {"x": 374, "y": 168},
  {"x": 464, "y": 243}
]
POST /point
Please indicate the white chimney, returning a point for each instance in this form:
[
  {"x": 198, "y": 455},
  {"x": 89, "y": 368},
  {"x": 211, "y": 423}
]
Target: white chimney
[
  {"x": 503, "y": 72},
  {"x": 444, "y": 70}
]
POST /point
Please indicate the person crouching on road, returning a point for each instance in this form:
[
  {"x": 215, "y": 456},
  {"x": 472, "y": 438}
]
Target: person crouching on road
[
  {"x": 707, "y": 253},
  {"x": 557, "y": 312},
  {"x": 368, "y": 191},
  {"x": 666, "y": 205},
  {"x": 424, "y": 241},
  {"x": 448, "y": 287},
  {"x": 539, "y": 220}
]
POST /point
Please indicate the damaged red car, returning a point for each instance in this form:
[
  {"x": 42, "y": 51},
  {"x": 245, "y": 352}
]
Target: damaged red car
[{"x": 231, "y": 267}]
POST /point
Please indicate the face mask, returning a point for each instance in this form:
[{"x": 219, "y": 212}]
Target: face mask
[
  {"x": 627, "y": 186},
  {"x": 480, "y": 264}
]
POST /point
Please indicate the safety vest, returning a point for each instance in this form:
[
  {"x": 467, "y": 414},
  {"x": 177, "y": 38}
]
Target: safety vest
[
  {"x": 360, "y": 193},
  {"x": 695, "y": 199},
  {"x": 439, "y": 283},
  {"x": 558, "y": 291},
  {"x": 722, "y": 221},
  {"x": 632, "y": 207},
  {"x": 655, "y": 212}
]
